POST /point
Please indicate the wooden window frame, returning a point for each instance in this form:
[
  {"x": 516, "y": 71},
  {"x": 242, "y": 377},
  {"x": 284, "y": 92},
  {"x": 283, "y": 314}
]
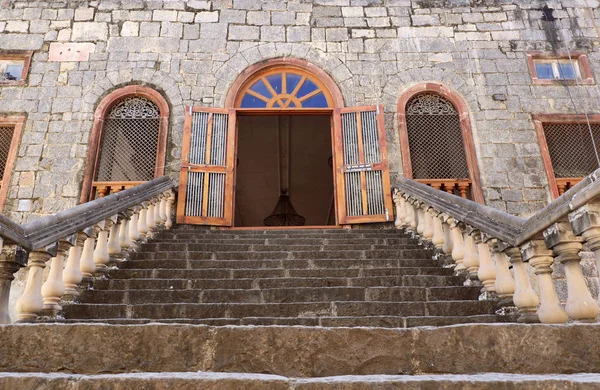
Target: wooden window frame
[
  {"x": 104, "y": 107},
  {"x": 538, "y": 121},
  {"x": 583, "y": 65},
  {"x": 465, "y": 125},
  {"x": 17, "y": 55},
  {"x": 17, "y": 121}
]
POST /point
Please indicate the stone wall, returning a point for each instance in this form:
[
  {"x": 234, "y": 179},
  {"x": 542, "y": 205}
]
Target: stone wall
[{"x": 192, "y": 51}]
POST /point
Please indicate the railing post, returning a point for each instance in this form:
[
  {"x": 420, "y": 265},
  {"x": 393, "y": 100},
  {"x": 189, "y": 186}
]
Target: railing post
[
  {"x": 458, "y": 246},
  {"x": 540, "y": 258},
  {"x": 31, "y": 303},
  {"x": 169, "y": 210},
  {"x": 86, "y": 264},
  {"x": 113, "y": 246},
  {"x": 134, "y": 233},
  {"x": 143, "y": 222},
  {"x": 420, "y": 218},
  {"x": 72, "y": 274},
  {"x": 438, "y": 231},
  {"x": 471, "y": 259},
  {"x": 504, "y": 284},
  {"x": 411, "y": 223},
  {"x": 399, "y": 223},
  {"x": 585, "y": 222},
  {"x": 580, "y": 306},
  {"x": 151, "y": 223},
  {"x": 486, "y": 272},
  {"x": 101, "y": 256},
  {"x": 157, "y": 207},
  {"x": 11, "y": 260},
  {"x": 163, "y": 209},
  {"x": 428, "y": 222},
  {"x": 124, "y": 240},
  {"x": 447, "y": 246},
  {"x": 524, "y": 298},
  {"x": 53, "y": 288}
]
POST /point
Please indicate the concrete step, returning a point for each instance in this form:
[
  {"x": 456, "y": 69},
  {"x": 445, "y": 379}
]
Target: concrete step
[
  {"x": 230, "y": 381},
  {"x": 283, "y": 295},
  {"x": 294, "y": 351},
  {"x": 295, "y": 309}
]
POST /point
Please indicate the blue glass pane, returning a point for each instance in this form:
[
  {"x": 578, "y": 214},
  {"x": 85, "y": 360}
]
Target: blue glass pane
[
  {"x": 292, "y": 81},
  {"x": 13, "y": 72},
  {"x": 317, "y": 101},
  {"x": 261, "y": 88},
  {"x": 292, "y": 104},
  {"x": 306, "y": 88},
  {"x": 276, "y": 104},
  {"x": 544, "y": 71},
  {"x": 250, "y": 101},
  {"x": 566, "y": 71},
  {"x": 275, "y": 81}
]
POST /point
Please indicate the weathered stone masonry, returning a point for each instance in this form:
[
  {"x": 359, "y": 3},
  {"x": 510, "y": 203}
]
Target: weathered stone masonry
[{"x": 192, "y": 51}]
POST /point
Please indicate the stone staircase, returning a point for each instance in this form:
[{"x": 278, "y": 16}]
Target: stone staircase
[{"x": 332, "y": 278}]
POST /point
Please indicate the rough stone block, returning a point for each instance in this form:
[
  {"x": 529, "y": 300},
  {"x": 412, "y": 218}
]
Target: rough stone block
[
  {"x": 298, "y": 34},
  {"x": 242, "y": 33},
  {"x": 207, "y": 17},
  {"x": 90, "y": 31}
]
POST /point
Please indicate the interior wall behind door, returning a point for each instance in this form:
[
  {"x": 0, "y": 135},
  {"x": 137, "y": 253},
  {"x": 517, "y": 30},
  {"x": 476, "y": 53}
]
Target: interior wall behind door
[{"x": 311, "y": 177}]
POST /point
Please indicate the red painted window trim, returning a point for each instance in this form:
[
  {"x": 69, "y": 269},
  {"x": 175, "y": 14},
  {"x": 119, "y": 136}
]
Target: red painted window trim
[
  {"x": 538, "y": 121},
  {"x": 585, "y": 70},
  {"x": 17, "y": 55},
  {"x": 17, "y": 121},
  {"x": 465, "y": 124},
  {"x": 103, "y": 109}
]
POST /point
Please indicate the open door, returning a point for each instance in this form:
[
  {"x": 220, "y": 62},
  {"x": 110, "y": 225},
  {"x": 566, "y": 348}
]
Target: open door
[
  {"x": 361, "y": 165},
  {"x": 207, "y": 167}
]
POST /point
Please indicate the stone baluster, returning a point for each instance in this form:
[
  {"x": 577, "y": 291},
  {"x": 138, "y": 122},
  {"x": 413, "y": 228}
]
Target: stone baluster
[
  {"x": 504, "y": 284},
  {"x": 72, "y": 274},
  {"x": 143, "y": 222},
  {"x": 438, "y": 231},
  {"x": 134, "y": 233},
  {"x": 540, "y": 258},
  {"x": 124, "y": 240},
  {"x": 399, "y": 223},
  {"x": 11, "y": 260},
  {"x": 524, "y": 298},
  {"x": 447, "y": 246},
  {"x": 420, "y": 218},
  {"x": 471, "y": 257},
  {"x": 53, "y": 288},
  {"x": 428, "y": 228},
  {"x": 169, "y": 209},
  {"x": 101, "y": 255},
  {"x": 458, "y": 246},
  {"x": 163, "y": 209},
  {"x": 86, "y": 264},
  {"x": 486, "y": 273},
  {"x": 410, "y": 216},
  {"x": 113, "y": 246},
  {"x": 150, "y": 219},
  {"x": 585, "y": 222},
  {"x": 580, "y": 306},
  {"x": 31, "y": 303},
  {"x": 157, "y": 219}
]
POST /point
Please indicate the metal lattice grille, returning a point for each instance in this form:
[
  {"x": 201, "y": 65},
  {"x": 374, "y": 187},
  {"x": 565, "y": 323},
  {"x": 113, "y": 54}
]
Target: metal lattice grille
[
  {"x": 6, "y": 136},
  {"x": 435, "y": 138},
  {"x": 571, "y": 148},
  {"x": 129, "y": 141}
]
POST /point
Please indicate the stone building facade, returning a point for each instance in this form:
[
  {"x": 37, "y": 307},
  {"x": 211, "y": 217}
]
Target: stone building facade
[{"x": 191, "y": 53}]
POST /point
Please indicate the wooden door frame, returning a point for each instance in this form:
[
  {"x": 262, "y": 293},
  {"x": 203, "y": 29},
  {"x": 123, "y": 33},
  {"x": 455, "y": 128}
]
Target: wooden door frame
[
  {"x": 465, "y": 125},
  {"x": 329, "y": 112}
]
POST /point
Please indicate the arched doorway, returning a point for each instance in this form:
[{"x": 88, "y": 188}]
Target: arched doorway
[
  {"x": 284, "y": 138},
  {"x": 437, "y": 142},
  {"x": 128, "y": 141}
]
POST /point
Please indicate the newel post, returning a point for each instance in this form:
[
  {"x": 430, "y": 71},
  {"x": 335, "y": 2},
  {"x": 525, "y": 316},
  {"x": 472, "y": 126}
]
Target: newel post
[
  {"x": 541, "y": 259},
  {"x": 580, "y": 305},
  {"x": 12, "y": 259},
  {"x": 585, "y": 222},
  {"x": 30, "y": 304}
]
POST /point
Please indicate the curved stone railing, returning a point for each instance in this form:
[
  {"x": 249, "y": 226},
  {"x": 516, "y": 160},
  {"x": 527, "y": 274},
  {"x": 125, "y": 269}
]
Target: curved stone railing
[
  {"x": 90, "y": 237},
  {"x": 482, "y": 242}
]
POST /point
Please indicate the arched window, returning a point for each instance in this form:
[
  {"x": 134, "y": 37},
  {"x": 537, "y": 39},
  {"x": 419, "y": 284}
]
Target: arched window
[
  {"x": 128, "y": 141},
  {"x": 436, "y": 140}
]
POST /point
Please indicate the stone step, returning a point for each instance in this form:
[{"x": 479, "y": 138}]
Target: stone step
[
  {"x": 281, "y": 264},
  {"x": 284, "y": 295},
  {"x": 191, "y": 239},
  {"x": 230, "y": 381},
  {"x": 263, "y": 247},
  {"x": 240, "y": 310},
  {"x": 225, "y": 273},
  {"x": 260, "y": 283},
  {"x": 301, "y": 351}
]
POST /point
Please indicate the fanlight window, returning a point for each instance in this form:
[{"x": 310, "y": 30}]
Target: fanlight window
[
  {"x": 435, "y": 138},
  {"x": 129, "y": 141},
  {"x": 284, "y": 88}
]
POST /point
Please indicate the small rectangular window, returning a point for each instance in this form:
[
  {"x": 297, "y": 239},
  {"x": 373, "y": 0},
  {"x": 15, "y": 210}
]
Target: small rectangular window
[
  {"x": 14, "y": 67},
  {"x": 547, "y": 68}
]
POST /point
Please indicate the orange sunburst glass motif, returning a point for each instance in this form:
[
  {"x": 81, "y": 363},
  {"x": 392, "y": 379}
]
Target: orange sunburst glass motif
[{"x": 284, "y": 89}]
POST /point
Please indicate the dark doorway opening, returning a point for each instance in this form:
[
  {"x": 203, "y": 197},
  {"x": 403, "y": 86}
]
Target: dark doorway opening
[{"x": 289, "y": 153}]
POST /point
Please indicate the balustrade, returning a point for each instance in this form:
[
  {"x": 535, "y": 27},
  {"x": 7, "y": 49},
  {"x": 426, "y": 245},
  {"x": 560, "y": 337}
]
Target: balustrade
[
  {"x": 89, "y": 236},
  {"x": 496, "y": 249}
]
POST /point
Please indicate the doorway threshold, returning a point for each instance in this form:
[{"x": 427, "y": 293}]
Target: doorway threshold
[{"x": 282, "y": 227}]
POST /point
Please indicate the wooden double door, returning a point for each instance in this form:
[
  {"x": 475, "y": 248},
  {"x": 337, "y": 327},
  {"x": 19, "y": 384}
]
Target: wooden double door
[{"x": 360, "y": 161}]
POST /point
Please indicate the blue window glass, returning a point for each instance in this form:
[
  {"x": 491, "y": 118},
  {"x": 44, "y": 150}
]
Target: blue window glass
[
  {"x": 317, "y": 101},
  {"x": 276, "y": 104},
  {"x": 13, "y": 73},
  {"x": 544, "y": 70},
  {"x": 261, "y": 88},
  {"x": 306, "y": 88},
  {"x": 275, "y": 81},
  {"x": 250, "y": 101},
  {"x": 292, "y": 81},
  {"x": 566, "y": 71}
]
